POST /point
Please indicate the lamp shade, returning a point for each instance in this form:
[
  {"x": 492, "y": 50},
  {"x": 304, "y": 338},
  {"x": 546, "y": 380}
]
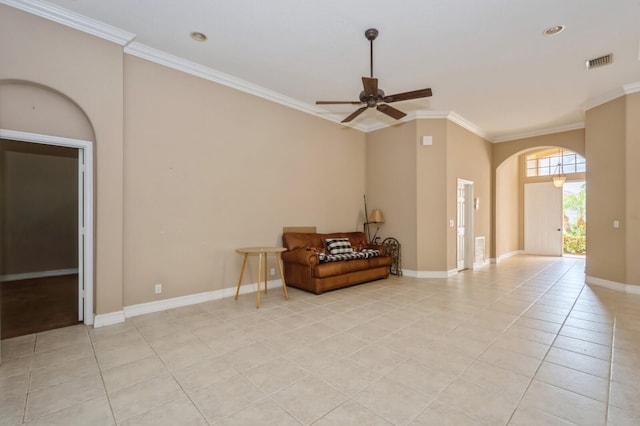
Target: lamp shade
[{"x": 376, "y": 216}]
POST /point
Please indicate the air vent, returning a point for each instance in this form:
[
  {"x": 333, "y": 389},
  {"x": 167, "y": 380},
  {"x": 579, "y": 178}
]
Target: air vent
[{"x": 599, "y": 62}]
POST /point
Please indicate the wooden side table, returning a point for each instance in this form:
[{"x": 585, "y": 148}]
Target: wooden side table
[{"x": 262, "y": 252}]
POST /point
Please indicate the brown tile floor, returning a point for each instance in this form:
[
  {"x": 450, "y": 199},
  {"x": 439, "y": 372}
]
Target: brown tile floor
[{"x": 521, "y": 343}]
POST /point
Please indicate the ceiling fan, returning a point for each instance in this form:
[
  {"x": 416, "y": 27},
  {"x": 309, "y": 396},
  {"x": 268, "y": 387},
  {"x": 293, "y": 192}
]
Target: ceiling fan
[{"x": 374, "y": 97}]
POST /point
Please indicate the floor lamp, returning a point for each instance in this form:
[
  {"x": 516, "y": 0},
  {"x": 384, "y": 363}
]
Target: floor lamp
[{"x": 376, "y": 216}]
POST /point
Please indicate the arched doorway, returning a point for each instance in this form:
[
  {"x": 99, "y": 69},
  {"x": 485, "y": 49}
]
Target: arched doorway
[
  {"x": 27, "y": 110},
  {"x": 534, "y": 167}
]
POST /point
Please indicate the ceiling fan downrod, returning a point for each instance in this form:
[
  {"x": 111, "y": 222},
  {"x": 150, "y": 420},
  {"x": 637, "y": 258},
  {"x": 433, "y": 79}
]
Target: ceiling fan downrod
[{"x": 371, "y": 34}]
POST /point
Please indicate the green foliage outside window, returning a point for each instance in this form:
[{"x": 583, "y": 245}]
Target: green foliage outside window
[{"x": 575, "y": 228}]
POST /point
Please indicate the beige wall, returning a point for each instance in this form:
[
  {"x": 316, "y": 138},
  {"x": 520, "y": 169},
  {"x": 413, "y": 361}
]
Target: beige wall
[
  {"x": 632, "y": 188},
  {"x": 39, "y": 207},
  {"x": 391, "y": 185},
  {"x": 606, "y": 191},
  {"x": 508, "y": 207},
  {"x": 417, "y": 185},
  {"x": 200, "y": 180},
  {"x": 469, "y": 157},
  {"x": 432, "y": 226},
  {"x": 209, "y": 169},
  {"x": 30, "y": 108},
  {"x": 87, "y": 70}
]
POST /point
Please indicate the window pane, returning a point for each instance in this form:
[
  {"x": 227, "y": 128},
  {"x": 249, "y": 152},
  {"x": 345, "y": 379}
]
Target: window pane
[
  {"x": 569, "y": 159},
  {"x": 581, "y": 167}
]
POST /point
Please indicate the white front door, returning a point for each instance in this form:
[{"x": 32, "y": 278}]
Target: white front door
[{"x": 542, "y": 219}]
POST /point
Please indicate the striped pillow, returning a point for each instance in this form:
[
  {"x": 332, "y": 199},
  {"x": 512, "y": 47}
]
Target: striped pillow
[{"x": 338, "y": 245}]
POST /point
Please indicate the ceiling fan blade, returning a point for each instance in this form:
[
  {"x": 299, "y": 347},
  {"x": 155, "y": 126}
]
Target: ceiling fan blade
[
  {"x": 391, "y": 111},
  {"x": 415, "y": 94},
  {"x": 337, "y": 102},
  {"x": 370, "y": 86},
  {"x": 355, "y": 114}
]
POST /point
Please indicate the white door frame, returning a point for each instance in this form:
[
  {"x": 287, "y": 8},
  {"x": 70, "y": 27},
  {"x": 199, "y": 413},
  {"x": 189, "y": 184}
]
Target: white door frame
[
  {"x": 468, "y": 224},
  {"x": 85, "y": 211}
]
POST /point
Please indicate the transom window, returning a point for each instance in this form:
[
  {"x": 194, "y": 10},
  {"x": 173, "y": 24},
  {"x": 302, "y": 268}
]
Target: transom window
[{"x": 547, "y": 162}]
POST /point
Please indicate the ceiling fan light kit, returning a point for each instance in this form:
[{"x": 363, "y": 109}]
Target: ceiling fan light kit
[{"x": 373, "y": 97}]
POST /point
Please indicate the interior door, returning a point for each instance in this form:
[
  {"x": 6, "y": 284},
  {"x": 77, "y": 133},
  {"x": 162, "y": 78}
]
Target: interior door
[
  {"x": 461, "y": 226},
  {"x": 464, "y": 227},
  {"x": 542, "y": 219},
  {"x": 81, "y": 230}
]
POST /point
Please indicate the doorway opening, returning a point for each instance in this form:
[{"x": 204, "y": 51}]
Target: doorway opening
[
  {"x": 574, "y": 218},
  {"x": 33, "y": 281}
]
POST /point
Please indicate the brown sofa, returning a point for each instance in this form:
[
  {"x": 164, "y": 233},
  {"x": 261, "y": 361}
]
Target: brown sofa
[{"x": 303, "y": 269}]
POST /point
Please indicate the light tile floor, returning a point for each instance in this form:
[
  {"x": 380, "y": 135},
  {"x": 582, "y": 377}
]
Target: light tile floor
[{"x": 522, "y": 343}]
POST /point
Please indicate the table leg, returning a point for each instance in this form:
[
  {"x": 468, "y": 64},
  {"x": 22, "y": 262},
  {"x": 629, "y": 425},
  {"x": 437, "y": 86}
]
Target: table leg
[
  {"x": 244, "y": 263},
  {"x": 265, "y": 272},
  {"x": 259, "y": 275},
  {"x": 284, "y": 285}
]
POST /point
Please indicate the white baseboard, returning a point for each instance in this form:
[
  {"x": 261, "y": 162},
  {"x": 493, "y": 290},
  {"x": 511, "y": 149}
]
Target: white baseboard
[
  {"x": 478, "y": 265},
  {"x": 111, "y": 318},
  {"x": 39, "y": 274},
  {"x": 429, "y": 274},
  {"x": 507, "y": 255},
  {"x": 176, "y": 302},
  {"x": 613, "y": 285}
]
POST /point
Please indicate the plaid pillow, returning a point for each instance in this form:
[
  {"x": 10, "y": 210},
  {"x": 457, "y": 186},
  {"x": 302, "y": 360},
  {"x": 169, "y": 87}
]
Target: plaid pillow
[{"x": 338, "y": 245}]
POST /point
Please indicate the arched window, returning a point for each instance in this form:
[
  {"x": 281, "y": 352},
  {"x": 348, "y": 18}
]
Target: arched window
[{"x": 546, "y": 162}]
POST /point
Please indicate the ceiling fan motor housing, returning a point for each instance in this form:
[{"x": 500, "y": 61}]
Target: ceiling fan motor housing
[{"x": 371, "y": 100}]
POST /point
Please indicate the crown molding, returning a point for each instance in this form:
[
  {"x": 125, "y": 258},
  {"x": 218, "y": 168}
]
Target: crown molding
[
  {"x": 454, "y": 117},
  {"x": 626, "y": 89},
  {"x": 71, "y": 19},
  {"x": 540, "y": 132},
  {"x": 631, "y": 88},
  {"x": 428, "y": 115},
  {"x": 433, "y": 115}
]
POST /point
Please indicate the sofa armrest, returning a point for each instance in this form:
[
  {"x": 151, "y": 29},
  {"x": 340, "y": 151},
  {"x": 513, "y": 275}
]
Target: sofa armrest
[
  {"x": 300, "y": 256},
  {"x": 378, "y": 247}
]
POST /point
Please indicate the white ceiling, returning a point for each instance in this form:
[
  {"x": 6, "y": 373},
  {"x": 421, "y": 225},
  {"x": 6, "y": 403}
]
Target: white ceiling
[{"x": 486, "y": 61}]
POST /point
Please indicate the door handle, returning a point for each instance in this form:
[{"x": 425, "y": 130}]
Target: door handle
[{"x": 559, "y": 229}]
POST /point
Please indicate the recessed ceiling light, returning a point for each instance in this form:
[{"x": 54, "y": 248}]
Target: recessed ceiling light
[
  {"x": 551, "y": 31},
  {"x": 197, "y": 36}
]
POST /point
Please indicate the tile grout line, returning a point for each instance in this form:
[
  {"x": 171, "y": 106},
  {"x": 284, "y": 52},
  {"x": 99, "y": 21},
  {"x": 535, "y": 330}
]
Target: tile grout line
[
  {"x": 106, "y": 393},
  {"x": 26, "y": 397},
  {"x": 613, "y": 340},
  {"x": 550, "y": 346}
]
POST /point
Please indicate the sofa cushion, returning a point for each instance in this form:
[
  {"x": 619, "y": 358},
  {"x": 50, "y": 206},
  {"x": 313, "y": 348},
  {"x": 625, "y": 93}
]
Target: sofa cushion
[
  {"x": 338, "y": 245},
  {"x": 363, "y": 254}
]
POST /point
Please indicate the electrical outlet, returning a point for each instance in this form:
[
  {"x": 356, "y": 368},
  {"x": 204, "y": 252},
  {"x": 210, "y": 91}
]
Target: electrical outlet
[
  {"x": 158, "y": 288},
  {"x": 273, "y": 271}
]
